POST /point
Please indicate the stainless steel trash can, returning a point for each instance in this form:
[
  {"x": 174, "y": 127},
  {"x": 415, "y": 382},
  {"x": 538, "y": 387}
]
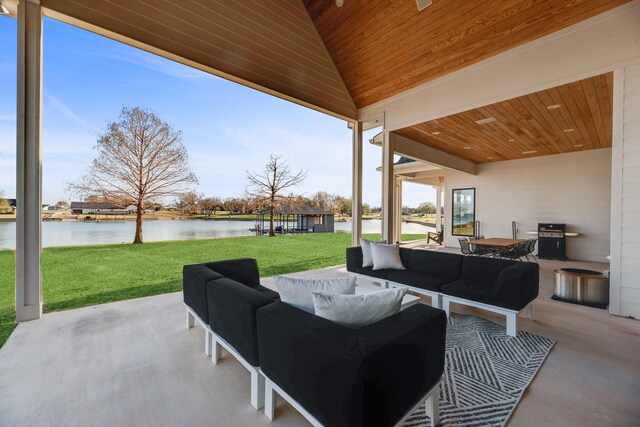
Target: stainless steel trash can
[{"x": 586, "y": 287}]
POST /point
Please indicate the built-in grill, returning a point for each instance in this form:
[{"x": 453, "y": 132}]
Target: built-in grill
[{"x": 552, "y": 241}]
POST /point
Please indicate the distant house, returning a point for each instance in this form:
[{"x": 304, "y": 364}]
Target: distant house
[
  {"x": 296, "y": 219},
  {"x": 97, "y": 208}
]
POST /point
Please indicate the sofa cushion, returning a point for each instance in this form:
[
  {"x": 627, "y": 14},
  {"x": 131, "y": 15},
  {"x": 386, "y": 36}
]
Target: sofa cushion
[
  {"x": 367, "y": 258},
  {"x": 440, "y": 266},
  {"x": 386, "y": 257},
  {"x": 354, "y": 262},
  {"x": 482, "y": 269},
  {"x": 415, "y": 278},
  {"x": 232, "y": 314},
  {"x": 298, "y": 291},
  {"x": 475, "y": 291},
  {"x": 356, "y": 311},
  {"x": 194, "y": 288},
  {"x": 243, "y": 270},
  {"x": 361, "y": 377}
]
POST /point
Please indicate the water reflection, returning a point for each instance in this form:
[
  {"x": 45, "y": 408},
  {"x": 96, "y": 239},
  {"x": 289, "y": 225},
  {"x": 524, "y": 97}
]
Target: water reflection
[{"x": 95, "y": 233}]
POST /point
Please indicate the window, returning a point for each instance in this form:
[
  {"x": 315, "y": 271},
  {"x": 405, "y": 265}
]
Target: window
[{"x": 464, "y": 212}]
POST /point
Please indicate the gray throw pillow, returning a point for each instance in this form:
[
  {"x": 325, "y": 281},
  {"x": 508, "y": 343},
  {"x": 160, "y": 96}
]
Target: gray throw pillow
[
  {"x": 356, "y": 311},
  {"x": 367, "y": 259},
  {"x": 298, "y": 292},
  {"x": 386, "y": 257}
]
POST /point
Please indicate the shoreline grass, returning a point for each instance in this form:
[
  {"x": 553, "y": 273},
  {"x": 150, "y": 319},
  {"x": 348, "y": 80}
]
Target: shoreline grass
[{"x": 80, "y": 276}]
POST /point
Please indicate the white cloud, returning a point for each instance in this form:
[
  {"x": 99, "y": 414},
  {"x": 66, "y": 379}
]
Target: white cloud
[
  {"x": 54, "y": 103},
  {"x": 154, "y": 62}
]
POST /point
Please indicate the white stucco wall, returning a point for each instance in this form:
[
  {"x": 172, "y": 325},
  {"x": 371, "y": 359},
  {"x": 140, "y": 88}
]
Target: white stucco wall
[
  {"x": 573, "y": 188},
  {"x": 625, "y": 203}
]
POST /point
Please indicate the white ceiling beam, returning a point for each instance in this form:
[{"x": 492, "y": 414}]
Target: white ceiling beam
[{"x": 416, "y": 150}]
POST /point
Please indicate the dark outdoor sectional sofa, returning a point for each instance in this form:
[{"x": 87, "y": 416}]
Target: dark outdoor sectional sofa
[
  {"x": 336, "y": 376},
  {"x": 498, "y": 285}
]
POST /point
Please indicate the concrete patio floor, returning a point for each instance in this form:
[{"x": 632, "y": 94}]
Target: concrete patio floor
[{"x": 132, "y": 363}]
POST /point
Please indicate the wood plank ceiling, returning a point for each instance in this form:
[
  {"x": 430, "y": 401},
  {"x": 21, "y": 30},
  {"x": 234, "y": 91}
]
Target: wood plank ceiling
[
  {"x": 573, "y": 117},
  {"x": 382, "y": 48},
  {"x": 273, "y": 45}
]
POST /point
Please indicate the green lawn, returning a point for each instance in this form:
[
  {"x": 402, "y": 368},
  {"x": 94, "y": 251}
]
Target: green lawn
[{"x": 79, "y": 276}]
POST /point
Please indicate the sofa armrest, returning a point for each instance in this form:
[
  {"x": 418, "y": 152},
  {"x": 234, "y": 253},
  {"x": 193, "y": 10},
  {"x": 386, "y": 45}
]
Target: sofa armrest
[
  {"x": 404, "y": 357},
  {"x": 354, "y": 377},
  {"x": 243, "y": 270},
  {"x": 518, "y": 285},
  {"x": 232, "y": 315},
  {"x": 354, "y": 258},
  {"x": 194, "y": 287}
]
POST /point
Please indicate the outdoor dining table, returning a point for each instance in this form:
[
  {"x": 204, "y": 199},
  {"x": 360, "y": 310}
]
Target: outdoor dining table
[{"x": 496, "y": 245}]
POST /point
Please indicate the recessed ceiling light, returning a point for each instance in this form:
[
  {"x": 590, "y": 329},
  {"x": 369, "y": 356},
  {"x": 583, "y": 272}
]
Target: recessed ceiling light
[
  {"x": 512, "y": 140},
  {"x": 490, "y": 157},
  {"x": 467, "y": 148},
  {"x": 553, "y": 107},
  {"x": 568, "y": 130},
  {"x": 436, "y": 133},
  {"x": 530, "y": 152},
  {"x": 578, "y": 145},
  {"x": 487, "y": 120}
]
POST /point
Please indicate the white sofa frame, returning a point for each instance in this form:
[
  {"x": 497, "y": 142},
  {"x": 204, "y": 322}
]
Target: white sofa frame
[
  {"x": 271, "y": 390},
  {"x": 511, "y": 315},
  {"x": 192, "y": 317},
  {"x": 257, "y": 379},
  {"x": 212, "y": 347},
  {"x": 443, "y": 301}
]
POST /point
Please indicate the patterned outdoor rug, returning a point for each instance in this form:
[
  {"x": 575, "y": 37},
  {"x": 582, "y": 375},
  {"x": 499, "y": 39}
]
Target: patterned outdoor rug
[{"x": 485, "y": 373}]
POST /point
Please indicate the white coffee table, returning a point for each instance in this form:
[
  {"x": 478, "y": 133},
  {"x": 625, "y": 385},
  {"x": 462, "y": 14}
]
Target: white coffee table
[{"x": 366, "y": 288}]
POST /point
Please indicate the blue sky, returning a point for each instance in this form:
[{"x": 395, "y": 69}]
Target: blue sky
[{"x": 227, "y": 128}]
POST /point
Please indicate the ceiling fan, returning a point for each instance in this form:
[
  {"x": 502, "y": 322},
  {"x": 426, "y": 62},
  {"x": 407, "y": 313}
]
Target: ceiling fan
[{"x": 422, "y": 4}]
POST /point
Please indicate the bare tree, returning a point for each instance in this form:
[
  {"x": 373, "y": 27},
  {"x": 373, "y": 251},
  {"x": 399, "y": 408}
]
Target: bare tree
[
  {"x": 324, "y": 200},
  {"x": 269, "y": 185},
  {"x": 4, "y": 204},
  {"x": 210, "y": 205},
  {"x": 188, "y": 203},
  {"x": 140, "y": 160}
]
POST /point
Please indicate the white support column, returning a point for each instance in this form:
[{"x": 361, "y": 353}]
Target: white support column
[
  {"x": 438, "y": 207},
  {"x": 29, "y": 162},
  {"x": 398, "y": 194},
  {"x": 388, "y": 187},
  {"x": 356, "y": 182}
]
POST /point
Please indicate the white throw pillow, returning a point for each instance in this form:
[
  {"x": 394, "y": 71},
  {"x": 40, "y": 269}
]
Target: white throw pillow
[
  {"x": 356, "y": 311},
  {"x": 386, "y": 256},
  {"x": 298, "y": 292},
  {"x": 367, "y": 259}
]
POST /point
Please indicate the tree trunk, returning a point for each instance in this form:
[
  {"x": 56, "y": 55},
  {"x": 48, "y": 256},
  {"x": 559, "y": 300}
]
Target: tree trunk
[
  {"x": 272, "y": 209},
  {"x": 138, "y": 238}
]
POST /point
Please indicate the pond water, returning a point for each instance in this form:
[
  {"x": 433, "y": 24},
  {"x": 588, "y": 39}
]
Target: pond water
[{"x": 96, "y": 233}]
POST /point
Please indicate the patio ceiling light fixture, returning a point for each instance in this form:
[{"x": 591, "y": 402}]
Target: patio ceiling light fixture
[
  {"x": 3, "y": 10},
  {"x": 553, "y": 107},
  {"x": 436, "y": 133},
  {"x": 577, "y": 145},
  {"x": 467, "y": 148},
  {"x": 530, "y": 152},
  {"x": 487, "y": 120},
  {"x": 512, "y": 140},
  {"x": 568, "y": 130}
]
